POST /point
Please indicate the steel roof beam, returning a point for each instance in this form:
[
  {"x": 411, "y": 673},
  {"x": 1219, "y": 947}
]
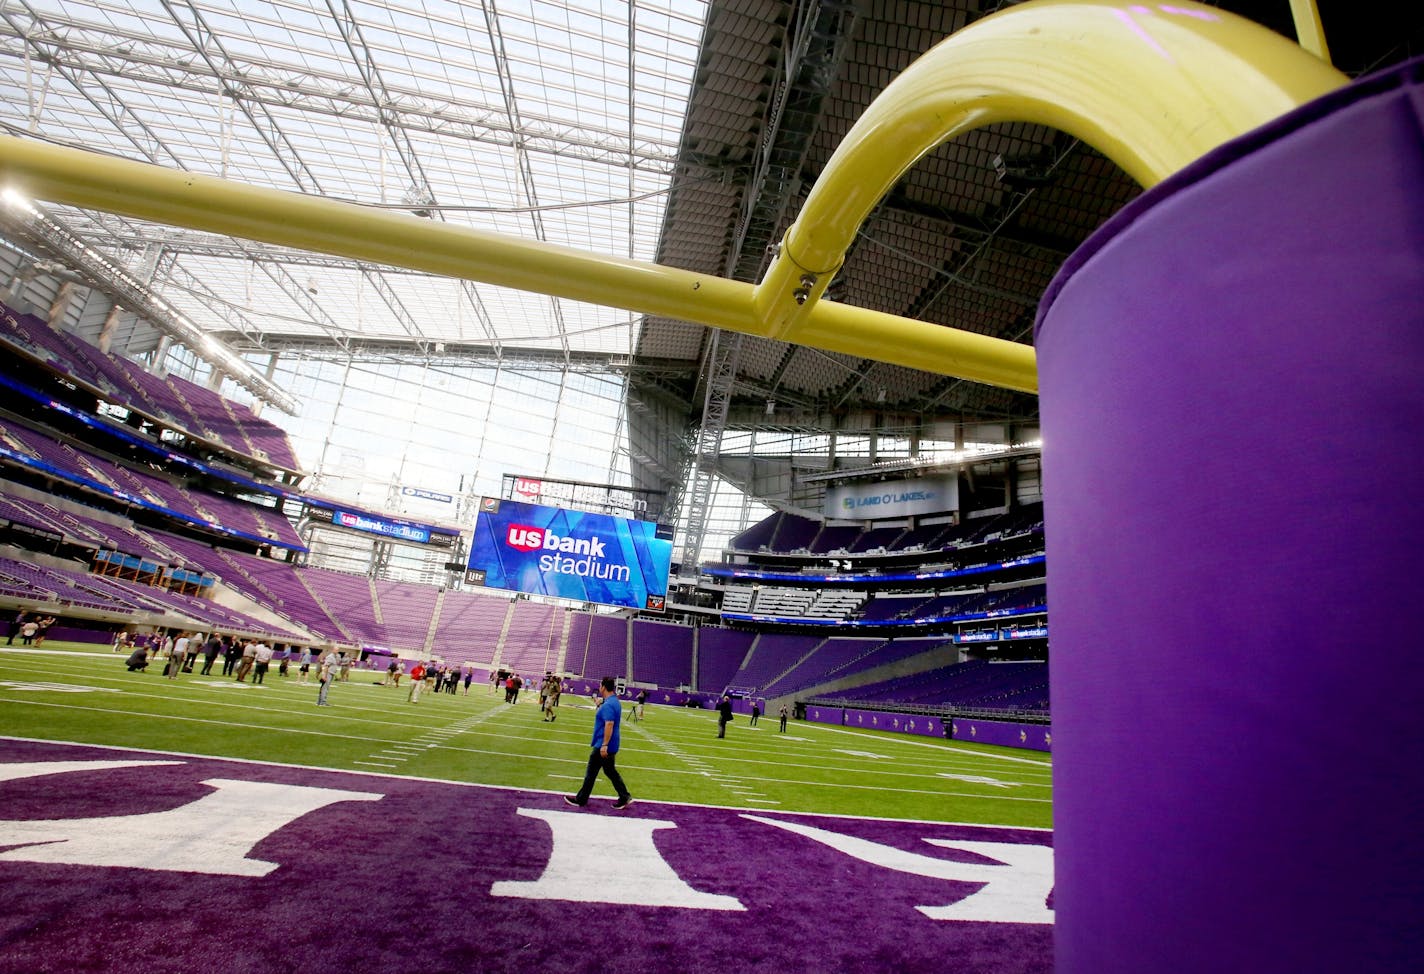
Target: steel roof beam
[{"x": 96, "y": 53}]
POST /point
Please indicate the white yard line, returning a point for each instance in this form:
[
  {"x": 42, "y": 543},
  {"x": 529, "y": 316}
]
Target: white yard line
[{"x": 514, "y": 788}]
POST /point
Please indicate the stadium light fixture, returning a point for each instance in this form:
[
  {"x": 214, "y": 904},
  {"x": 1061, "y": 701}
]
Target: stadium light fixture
[{"x": 15, "y": 200}]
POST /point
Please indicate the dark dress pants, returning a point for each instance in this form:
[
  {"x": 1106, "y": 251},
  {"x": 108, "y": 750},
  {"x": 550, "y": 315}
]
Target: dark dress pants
[{"x": 597, "y": 762}]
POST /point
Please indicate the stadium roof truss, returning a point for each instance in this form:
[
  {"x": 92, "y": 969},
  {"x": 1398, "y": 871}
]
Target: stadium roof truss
[{"x": 532, "y": 119}]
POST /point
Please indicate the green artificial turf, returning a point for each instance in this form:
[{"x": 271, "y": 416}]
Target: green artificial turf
[{"x": 55, "y": 693}]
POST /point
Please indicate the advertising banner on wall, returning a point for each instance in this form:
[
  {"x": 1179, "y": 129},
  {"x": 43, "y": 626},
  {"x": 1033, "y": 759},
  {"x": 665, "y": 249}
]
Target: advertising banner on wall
[
  {"x": 528, "y": 490},
  {"x": 611, "y": 499},
  {"x": 387, "y": 527},
  {"x": 937, "y": 494},
  {"x": 420, "y": 493},
  {"x": 570, "y": 554}
]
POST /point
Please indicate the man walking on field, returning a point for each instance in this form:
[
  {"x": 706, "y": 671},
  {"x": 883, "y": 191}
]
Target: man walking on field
[{"x": 605, "y": 743}]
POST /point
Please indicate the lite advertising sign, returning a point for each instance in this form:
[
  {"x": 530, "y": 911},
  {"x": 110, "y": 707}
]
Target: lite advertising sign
[{"x": 893, "y": 498}]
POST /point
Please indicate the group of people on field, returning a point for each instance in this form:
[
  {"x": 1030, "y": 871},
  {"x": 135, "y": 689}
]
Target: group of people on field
[
  {"x": 31, "y": 628},
  {"x": 512, "y": 683},
  {"x": 252, "y": 657},
  {"x": 182, "y": 650},
  {"x": 431, "y": 677},
  {"x": 724, "y": 715}
]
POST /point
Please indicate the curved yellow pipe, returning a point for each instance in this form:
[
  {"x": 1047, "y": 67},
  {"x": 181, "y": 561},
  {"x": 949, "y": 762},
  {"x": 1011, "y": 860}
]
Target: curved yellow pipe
[
  {"x": 1151, "y": 86},
  {"x": 42, "y": 171},
  {"x": 50, "y": 172}
]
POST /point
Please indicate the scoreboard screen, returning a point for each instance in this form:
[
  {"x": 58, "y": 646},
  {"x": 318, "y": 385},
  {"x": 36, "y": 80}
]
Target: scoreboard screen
[{"x": 568, "y": 554}]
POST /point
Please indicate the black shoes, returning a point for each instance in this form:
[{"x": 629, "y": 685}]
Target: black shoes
[{"x": 619, "y": 804}]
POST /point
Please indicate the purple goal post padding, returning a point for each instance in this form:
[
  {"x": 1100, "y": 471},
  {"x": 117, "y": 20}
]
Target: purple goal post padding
[{"x": 1232, "y": 393}]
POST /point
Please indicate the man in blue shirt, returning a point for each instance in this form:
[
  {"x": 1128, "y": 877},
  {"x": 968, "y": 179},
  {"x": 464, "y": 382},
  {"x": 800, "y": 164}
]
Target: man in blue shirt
[{"x": 606, "y": 720}]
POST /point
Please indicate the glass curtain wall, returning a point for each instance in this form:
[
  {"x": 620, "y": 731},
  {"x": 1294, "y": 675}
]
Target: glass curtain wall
[{"x": 370, "y": 427}]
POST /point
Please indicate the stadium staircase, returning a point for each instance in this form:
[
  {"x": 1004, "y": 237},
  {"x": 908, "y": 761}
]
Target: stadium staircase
[
  {"x": 13, "y": 442},
  {"x": 277, "y": 602},
  {"x": 748, "y": 688},
  {"x": 786, "y": 672},
  {"x": 561, "y": 655},
  {"x": 82, "y": 462},
  {"x": 429, "y": 646},
  {"x": 503, "y": 634},
  {"x": 346, "y": 633},
  {"x": 154, "y": 406},
  {"x": 276, "y": 606},
  {"x": 375, "y": 602},
  {"x": 199, "y": 507},
  {"x": 183, "y": 400},
  {"x": 845, "y": 679},
  {"x": 242, "y": 431},
  {"x": 137, "y": 486}
]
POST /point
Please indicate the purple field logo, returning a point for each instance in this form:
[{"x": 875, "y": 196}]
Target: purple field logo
[{"x": 84, "y": 831}]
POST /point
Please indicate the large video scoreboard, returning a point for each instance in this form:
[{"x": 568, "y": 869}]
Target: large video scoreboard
[{"x": 568, "y": 554}]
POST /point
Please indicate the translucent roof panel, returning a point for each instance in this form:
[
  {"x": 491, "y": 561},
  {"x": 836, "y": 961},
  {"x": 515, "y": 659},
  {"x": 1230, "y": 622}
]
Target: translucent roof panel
[{"x": 557, "y": 120}]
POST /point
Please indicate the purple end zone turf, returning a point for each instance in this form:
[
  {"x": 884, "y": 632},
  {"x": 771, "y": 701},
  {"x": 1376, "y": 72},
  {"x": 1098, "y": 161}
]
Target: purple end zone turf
[
  {"x": 158, "y": 864},
  {"x": 1232, "y": 377}
]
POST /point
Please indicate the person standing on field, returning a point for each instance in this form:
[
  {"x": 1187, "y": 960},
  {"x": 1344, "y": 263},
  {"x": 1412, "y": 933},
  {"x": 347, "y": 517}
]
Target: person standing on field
[
  {"x": 21, "y": 617},
  {"x": 262, "y": 659},
  {"x": 551, "y": 702},
  {"x": 326, "y": 676},
  {"x": 249, "y": 657},
  {"x": 177, "y": 655},
  {"x": 211, "y": 649},
  {"x": 232, "y": 652},
  {"x": 43, "y": 630}
]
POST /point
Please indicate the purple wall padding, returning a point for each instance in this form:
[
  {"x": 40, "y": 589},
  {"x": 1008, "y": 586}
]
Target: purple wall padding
[
  {"x": 918, "y": 724},
  {"x": 76, "y": 634},
  {"x": 671, "y": 698},
  {"x": 1035, "y": 737},
  {"x": 577, "y": 688},
  {"x": 1232, "y": 383},
  {"x": 743, "y": 705}
]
